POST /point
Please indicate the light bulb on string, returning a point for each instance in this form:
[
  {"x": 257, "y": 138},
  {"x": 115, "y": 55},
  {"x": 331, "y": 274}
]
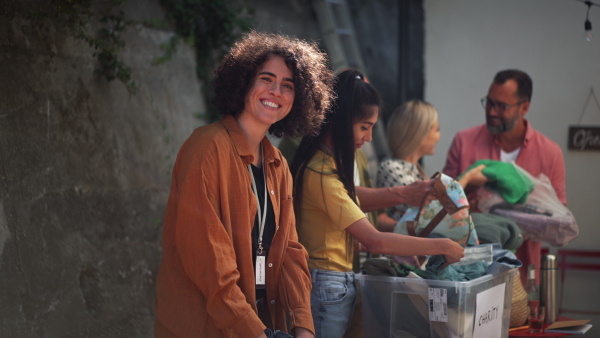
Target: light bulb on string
[{"x": 588, "y": 24}]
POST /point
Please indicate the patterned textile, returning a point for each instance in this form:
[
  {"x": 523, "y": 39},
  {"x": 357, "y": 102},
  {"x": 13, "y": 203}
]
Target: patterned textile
[
  {"x": 456, "y": 224},
  {"x": 394, "y": 172}
]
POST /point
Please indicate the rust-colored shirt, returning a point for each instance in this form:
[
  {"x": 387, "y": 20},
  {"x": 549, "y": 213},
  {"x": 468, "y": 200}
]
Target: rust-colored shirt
[{"x": 205, "y": 285}]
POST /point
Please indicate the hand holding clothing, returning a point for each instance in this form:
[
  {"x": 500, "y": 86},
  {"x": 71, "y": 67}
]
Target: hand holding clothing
[{"x": 473, "y": 177}]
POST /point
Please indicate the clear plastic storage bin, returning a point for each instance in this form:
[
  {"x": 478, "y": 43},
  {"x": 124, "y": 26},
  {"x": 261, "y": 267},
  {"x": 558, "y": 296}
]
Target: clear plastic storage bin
[{"x": 413, "y": 307}]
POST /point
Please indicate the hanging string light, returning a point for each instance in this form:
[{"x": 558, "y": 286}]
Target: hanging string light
[{"x": 588, "y": 24}]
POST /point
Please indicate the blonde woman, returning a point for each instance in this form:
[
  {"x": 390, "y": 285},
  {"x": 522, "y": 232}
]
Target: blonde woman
[{"x": 413, "y": 131}]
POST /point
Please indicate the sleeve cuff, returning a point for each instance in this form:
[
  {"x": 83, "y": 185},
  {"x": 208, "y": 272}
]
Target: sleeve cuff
[{"x": 248, "y": 323}]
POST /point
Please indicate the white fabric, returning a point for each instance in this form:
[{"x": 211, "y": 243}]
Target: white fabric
[{"x": 510, "y": 157}]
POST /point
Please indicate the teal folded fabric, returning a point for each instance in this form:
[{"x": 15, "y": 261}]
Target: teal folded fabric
[
  {"x": 504, "y": 178},
  {"x": 497, "y": 229},
  {"x": 460, "y": 273},
  {"x": 404, "y": 269},
  {"x": 387, "y": 267}
]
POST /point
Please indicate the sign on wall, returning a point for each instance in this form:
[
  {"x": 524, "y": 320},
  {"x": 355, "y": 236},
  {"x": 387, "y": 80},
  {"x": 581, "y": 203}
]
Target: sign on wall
[{"x": 584, "y": 138}]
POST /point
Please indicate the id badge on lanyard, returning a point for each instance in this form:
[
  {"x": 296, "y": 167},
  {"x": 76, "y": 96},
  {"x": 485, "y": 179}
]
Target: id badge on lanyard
[
  {"x": 260, "y": 268},
  {"x": 261, "y": 256}
]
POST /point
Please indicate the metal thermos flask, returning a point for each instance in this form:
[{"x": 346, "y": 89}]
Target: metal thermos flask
[{"x": 548, "y": 287}]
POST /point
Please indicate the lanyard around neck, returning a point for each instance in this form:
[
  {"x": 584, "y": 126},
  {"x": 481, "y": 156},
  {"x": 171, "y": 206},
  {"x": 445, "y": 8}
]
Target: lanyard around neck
[{"x": 262, "y": 212}]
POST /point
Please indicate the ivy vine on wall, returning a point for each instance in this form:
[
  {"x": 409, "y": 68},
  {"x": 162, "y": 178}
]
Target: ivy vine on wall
[
  {"x": 211, "y": 26},
  {"x": 77, "y": 16}
]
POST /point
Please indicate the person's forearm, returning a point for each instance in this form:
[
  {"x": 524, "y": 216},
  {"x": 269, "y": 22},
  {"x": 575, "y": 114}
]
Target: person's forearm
[
  {"x": 464, "y": 181},
  {"x": 385, "y": 223},
  {"x": 390, "y": 243},
  {"x": 377, "y": 198},
  {"x": 402, "y": 245}
]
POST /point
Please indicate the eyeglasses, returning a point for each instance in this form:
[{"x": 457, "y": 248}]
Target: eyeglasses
[{"x": 499, "y": 107}]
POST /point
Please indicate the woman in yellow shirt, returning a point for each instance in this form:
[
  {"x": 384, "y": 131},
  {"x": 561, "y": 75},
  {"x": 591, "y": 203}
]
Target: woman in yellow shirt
[{"x": 330, "y": 209}]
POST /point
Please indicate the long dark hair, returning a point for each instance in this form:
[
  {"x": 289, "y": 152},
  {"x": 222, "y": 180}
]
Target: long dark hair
[{"x": 354, "y": 96}]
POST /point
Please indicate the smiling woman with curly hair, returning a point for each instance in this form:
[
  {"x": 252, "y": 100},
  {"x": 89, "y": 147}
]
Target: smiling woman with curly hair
[
  {"x": 312, "y": 80},
  {"x": 232, "y": 265}
]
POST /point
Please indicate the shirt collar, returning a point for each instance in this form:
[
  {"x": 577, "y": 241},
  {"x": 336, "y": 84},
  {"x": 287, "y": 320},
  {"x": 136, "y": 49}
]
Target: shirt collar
[{"x": 242, "y": 147}]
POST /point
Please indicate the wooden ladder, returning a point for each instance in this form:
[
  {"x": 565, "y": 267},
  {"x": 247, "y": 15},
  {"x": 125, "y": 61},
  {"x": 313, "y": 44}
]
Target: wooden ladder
[{"x": 338, "y": 34}]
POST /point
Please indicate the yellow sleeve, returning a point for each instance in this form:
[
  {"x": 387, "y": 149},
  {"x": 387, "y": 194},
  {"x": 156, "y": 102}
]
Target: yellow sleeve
[{"x": 327, "y": 194}]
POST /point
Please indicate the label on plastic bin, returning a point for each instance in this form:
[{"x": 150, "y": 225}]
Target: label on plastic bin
[
  {"x": 489, "y": 311},
  {"x": 438, "y": 305}
]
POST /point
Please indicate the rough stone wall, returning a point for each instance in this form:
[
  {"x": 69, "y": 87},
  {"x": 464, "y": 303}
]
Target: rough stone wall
[{"x": 84, "y": 175}]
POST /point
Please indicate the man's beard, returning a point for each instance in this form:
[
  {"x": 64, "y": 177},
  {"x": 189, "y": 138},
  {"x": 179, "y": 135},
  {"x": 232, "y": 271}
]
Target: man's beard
[{"x": 506, "y": 125}]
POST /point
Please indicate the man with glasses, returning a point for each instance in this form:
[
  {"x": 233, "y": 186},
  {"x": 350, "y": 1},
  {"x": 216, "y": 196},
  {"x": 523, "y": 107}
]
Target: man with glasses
[{"x": 507, "y": 136}]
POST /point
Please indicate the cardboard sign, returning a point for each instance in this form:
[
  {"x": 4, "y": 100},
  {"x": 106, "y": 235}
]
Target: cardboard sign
[
  {"x": 488, "y": 312},
  {"x": 584, "y": 138}
]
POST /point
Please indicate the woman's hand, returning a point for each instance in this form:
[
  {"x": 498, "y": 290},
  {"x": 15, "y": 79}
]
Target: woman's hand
[
  {"x": 453, "y": 252},
  {"x": 474, "y": 177},
  {"x": 385, "y": 223},
  {"x": 301, "y": 332},
  {"x": 414, "y": 193}
]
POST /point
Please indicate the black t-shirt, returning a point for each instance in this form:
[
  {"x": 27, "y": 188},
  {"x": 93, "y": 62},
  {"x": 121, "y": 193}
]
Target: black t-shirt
[{"x": 269, "y": 231}]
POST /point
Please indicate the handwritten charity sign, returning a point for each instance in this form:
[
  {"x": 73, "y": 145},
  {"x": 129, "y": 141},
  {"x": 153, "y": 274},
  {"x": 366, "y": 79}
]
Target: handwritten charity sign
[
  {"x": 488, "y": 312},
  {"x": 584, "y": 138}
]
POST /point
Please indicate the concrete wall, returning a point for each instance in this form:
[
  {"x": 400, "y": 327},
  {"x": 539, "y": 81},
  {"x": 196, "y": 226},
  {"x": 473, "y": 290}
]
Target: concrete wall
[
  {"x": 84, "y": 175},
  {"x": 468, "y": 41}
]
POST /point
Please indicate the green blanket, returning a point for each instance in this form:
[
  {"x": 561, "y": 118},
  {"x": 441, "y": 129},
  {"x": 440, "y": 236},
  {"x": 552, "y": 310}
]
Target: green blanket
[{"x": 506, "y": 179}]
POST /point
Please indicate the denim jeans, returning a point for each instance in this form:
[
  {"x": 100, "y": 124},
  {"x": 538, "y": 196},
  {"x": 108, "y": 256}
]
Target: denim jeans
[{"x": 332, "y": 301}]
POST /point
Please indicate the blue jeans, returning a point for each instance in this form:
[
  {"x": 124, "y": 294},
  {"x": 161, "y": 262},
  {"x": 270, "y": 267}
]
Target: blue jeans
[{"x": 332, "y": 301}]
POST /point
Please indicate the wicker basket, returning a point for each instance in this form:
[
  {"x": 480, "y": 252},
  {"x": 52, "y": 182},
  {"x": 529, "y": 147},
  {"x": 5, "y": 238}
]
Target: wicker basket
[{"x": 519, "y": 307}]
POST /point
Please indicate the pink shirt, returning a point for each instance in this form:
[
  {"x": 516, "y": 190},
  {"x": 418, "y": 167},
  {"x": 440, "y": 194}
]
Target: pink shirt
[{"x": 538, "y": 155}]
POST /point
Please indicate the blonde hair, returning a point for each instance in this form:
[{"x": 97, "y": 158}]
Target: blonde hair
[{"x": 408, "y": 127}]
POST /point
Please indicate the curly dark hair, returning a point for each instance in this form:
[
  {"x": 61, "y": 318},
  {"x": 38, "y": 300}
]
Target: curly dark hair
[{"x": 313, "y": 80}]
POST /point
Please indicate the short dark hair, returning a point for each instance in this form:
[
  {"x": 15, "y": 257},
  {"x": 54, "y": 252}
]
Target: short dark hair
[
  {"x": 313, "y": 80},
  {"x": 524, "y": 83}
]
